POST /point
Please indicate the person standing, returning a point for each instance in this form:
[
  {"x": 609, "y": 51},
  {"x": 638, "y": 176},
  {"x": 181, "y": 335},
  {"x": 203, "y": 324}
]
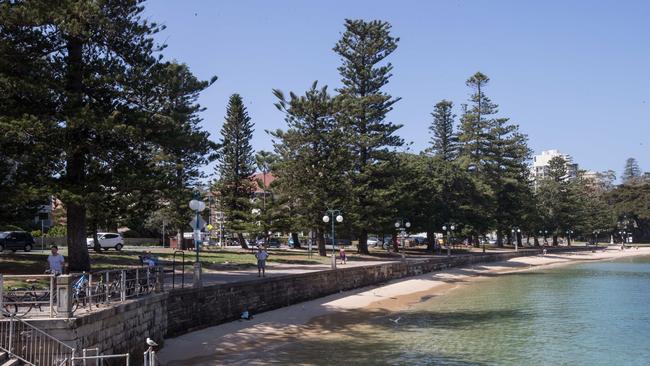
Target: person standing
[
  {"x": 56, "y": 261},
  {"x": 261, "y": 256},
  {"x": 342, "y": 256}
]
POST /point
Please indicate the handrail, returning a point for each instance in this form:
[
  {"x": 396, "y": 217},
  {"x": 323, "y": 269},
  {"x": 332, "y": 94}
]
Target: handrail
[
  {"x": 32, "y": 345},
  {"x": 182, "y": 268}
]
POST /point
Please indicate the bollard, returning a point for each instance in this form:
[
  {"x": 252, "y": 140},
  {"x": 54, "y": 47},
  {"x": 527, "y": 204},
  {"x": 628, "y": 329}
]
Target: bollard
[
  {"x": 64, "y": 296},
  {"x": 197, "y": 275}
]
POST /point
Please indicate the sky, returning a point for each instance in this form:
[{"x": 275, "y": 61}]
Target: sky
[{"x": 574, "y": 75}]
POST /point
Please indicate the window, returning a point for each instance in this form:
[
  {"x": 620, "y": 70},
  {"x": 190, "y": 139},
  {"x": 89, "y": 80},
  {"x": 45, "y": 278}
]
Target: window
[{"x": 110, "y": 236}]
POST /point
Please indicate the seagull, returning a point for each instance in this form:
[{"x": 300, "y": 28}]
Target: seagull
[
  {"x": 151, "y": 343},
  {"x": 395, "y": 320}
]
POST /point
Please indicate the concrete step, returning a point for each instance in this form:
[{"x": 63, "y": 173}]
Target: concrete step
[
  {"x": 3, "y": 356},
  {"x": 11, "y": 362}
]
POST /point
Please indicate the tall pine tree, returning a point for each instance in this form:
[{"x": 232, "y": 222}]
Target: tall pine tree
[
  {"x": 76, "y": 68},
  {"x": 444, "y": 142},
  {"x": 313, "y": 159},
  {"x": 363, "y": 48},
  {"x": 631, "y": 172},
  {"x": 236, "y": 167}
]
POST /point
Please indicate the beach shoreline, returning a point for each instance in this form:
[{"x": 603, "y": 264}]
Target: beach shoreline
[{"x": 242, "y": 342}]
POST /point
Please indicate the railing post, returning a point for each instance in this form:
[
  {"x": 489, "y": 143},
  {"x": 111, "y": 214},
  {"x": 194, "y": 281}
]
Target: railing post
[
  {"x": 11, "y": 335},
  {"x": 2, "y": 288},
  {"x": 160, "y": 279},
  {"x": 123, "y": 286},
  {"x": 136, "y": 285},
  {"x": 52, "y": 289},
  {"x": 108, "y": 287},
  {"x": 64, "y": 296},
  {"x": 89, "y": 291}
]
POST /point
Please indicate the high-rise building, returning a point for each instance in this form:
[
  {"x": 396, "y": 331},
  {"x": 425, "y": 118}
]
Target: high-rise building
[{"x": 540, "y": 166}]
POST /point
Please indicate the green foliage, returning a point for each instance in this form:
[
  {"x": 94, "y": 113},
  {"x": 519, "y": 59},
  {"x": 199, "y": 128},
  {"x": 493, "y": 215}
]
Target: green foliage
[
  {"x": 312, "y": 160},
  {"x": 363, "y": 47},
  {"x": 58, "y": 231},
  {"x": 235, "y": 168},
  {"x": 444, "y": 142},
  {"x": 631, "y": 172},
  {"x": 82, "y": 90}
]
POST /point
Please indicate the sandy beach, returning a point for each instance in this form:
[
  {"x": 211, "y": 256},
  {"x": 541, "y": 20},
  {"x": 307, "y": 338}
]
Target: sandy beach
[{"x": 244, "y": 342}]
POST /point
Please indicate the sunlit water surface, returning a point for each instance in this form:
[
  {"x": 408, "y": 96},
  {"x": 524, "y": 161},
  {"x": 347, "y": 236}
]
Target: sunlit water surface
[{"x": 594, "y": 313}]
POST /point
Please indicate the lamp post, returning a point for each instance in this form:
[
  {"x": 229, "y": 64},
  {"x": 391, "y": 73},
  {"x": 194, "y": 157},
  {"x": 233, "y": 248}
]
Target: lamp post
[
  {"x": 197, "y": 206},
  {"x": 515, "y": 232},
  {"x": 545, "y": 233},
  {"x": 568, "y": 233},
  {"x": 449, "y": 228},
  {"x": 333, "y": 215},
  {"x": 402, "y": 225}
]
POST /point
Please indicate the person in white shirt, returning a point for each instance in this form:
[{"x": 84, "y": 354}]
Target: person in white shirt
[
  {"x": 56, "y": 261},
  {"x": 261, "y": 256}
]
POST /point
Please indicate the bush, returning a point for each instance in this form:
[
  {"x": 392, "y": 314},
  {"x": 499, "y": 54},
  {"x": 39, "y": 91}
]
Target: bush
[
  {"x": 57, "y": 231},
  {"x": 36, "y": 233}
]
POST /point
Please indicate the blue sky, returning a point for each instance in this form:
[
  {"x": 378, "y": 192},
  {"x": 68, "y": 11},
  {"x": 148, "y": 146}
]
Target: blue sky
[{"x": 575, "y": 75}]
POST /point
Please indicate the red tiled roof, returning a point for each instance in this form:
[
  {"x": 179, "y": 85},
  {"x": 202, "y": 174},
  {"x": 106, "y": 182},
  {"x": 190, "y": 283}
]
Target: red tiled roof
[{"x": 260, "y": 177}]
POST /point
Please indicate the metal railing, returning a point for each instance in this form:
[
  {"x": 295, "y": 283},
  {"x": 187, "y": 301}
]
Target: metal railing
[
  {"x": 99, "y": 359},
  {"x": 38, "y": 299},
  {"x": 182, "y": 254},
  {"x": 38, "y": 295},
  {"x": 111, "y": 286},
  {"x": 149, "y": 357},
  {"x": 31, "y": 345}
]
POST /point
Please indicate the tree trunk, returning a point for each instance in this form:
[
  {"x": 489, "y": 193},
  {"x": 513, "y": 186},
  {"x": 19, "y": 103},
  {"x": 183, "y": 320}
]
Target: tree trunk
[
  {"x": 296, "y": 240},
  {"x": 96, "y": 247},
  {"x": 75, "y": 175},
  {"x": 518, "y": 238},
  {"x": 362, "y": 247},
  {"x": 431, "y": 239},
  {"x": 242, "y": 241},
  {"x": 499, "y": 239},
  {"x": 528, "y": 240},
  {"x": 320, "y": 237},
  {"x": 536, "y": 241},
  {"x": 395, "y": 243},
  {"x": 77, "y": 249},
  {"x": 555, "y": 243}
]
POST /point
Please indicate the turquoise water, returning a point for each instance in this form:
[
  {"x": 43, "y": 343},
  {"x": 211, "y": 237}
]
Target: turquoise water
[{"x": 585, "y": 314}]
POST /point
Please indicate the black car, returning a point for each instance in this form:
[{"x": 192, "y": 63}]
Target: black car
[{"x": 16, "y": 240}]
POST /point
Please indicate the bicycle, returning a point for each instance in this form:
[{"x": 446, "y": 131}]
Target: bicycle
[{"x": 20, "y": 297}]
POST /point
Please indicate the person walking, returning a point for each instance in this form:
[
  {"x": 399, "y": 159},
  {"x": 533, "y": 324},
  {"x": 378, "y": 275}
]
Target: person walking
[
  {"x": 342, "y": 256},
  {"x": 56, "y": 261},
  {"x": 261, "y": 256}
]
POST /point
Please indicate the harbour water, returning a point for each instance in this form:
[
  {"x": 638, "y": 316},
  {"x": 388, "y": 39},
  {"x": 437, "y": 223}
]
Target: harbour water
[{"x": 595, "y": 313}]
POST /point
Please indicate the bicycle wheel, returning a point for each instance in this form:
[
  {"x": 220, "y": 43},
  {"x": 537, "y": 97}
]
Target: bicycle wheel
[{"x": 10, "y": 308}]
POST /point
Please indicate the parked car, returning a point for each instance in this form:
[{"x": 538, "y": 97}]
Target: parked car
[
  {"x": 339, "y": 242},
  {"x": 16, "y": 240},
  {"x": 107, "y": 241},
  {"x": 372, "y": 241},
  {"x": 271, "y": 242}
]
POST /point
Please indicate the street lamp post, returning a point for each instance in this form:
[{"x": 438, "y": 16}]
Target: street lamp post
[
  {"x": 449, "y": 229},
  {"x": 545, "y": 233},
  {"x": 402, "y": 225},
  {"x": 197, "y": 206},
  {"x": 333, "y": 215},
  {"x": 568, "y": 233},
  {"x": 515, "y": 232}
]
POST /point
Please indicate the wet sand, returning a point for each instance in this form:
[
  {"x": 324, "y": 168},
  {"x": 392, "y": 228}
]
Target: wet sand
[{"x": 246, "y": 342}]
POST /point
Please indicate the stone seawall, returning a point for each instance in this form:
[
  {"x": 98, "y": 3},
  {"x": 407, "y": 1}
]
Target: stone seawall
[
  {"x": 191, "y": 309},
  {"x": 124, "y": 328},
  {"x": 116, "y": 330}
]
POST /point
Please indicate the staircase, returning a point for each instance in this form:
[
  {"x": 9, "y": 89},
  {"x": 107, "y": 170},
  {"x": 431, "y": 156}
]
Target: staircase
[
  {"x": 23, "y": 344},
  {"x": 5, "y": 360}
]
